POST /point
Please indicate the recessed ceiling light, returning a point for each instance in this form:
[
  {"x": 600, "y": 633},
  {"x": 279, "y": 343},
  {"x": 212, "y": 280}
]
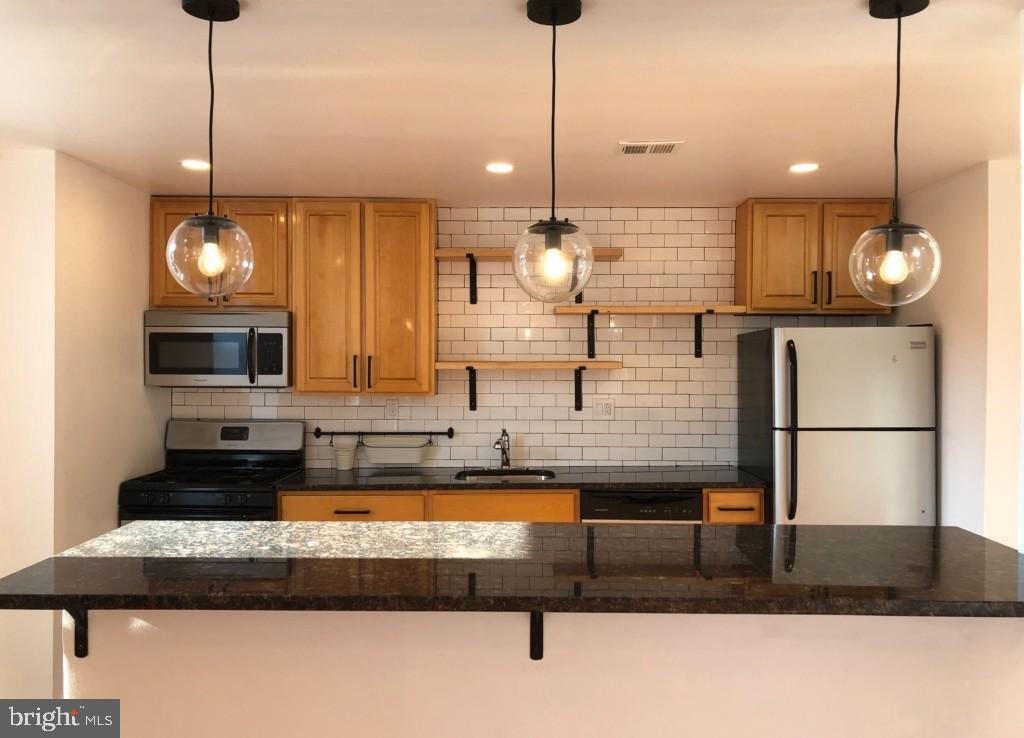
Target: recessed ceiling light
[
  {"x": 196, "y": 165},
  {"x": 804, "y": 167},
  {"x": 499, "y": 167}
]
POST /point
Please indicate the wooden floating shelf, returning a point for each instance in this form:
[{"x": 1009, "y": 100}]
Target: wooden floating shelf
[
  {"x": 651, "y": 309},
  {"x": 587, "y": 363},
  {"x": 602, "y": 253}
]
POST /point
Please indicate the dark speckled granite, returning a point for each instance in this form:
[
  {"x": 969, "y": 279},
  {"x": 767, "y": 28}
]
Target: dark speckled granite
[
  {"x": 835, "y": 570},
  {"x": 574, "y": 477}
]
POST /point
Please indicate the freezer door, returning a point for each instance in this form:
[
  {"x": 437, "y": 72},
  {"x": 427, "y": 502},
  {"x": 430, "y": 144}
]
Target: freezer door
[
  {"x": 856, "y": 377},
  {"x": 856, "y": 478}
]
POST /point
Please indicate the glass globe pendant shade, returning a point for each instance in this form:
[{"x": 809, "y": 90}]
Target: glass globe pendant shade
[
  {"x": 895, "y": 264},
  {"x": 210, "y": 256},
  {"x": 553, "y": 261}
]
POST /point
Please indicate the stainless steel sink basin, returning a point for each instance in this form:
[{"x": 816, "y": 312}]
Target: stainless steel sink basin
[{"x": 505, "y": 475}]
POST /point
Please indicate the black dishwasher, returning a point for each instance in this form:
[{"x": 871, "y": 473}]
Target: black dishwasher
[{"x": 641, "y": 506}]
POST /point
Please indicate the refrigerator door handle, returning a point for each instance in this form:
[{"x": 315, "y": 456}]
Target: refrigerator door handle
[{"x": 793, "y": 426}]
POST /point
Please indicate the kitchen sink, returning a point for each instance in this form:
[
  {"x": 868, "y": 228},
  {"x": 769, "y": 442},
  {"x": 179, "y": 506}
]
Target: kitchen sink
[{"x": 505, "y": 475}]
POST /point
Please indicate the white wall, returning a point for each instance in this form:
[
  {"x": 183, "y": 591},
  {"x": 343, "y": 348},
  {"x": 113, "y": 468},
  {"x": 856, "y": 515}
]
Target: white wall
[
  {"x": 27, "y": 420},
  {"x": 109, "y": 426},
  {"x": 975, "y": 306}
]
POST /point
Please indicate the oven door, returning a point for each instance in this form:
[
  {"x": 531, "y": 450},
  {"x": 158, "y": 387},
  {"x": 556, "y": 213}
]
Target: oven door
[
  {"x": 201, "y": 357},
  {"x": 128, "y": 514}
]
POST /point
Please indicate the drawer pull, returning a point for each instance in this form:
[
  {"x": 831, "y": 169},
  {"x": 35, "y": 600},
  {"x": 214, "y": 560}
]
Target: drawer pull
[
  {"x": 737, "y": 509},
  {"x": 353, "y": 512}
]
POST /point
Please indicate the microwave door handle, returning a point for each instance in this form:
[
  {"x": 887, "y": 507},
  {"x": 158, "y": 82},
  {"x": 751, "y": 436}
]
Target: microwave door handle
[
  {"x": 250, "y": 347},
  {"x": 794, "y": 426}
]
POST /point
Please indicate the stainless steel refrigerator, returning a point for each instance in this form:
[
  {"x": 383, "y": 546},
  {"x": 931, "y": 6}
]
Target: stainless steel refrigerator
[{"x": 841, "y": 422}]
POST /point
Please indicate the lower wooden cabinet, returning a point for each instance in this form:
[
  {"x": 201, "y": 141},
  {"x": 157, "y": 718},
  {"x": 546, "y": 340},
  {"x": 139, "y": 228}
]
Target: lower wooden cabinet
[
  {"x": 388, "y": 506},
  {"x": 524, "y": 506},
  {"x": 506, "y": 505},
  {"x": 734, "y": 506}
]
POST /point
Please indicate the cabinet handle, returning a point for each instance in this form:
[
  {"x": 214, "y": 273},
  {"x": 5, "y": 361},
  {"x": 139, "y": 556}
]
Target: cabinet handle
[
  {"x": 736, "y": 509},
  {"x": 353, "y": 512},
  {"x": 369, "y": 372},
  {"x": 355, "y": 371},
  {"x": 828, "y": 288},
  {"x": 814, "y": 286}
]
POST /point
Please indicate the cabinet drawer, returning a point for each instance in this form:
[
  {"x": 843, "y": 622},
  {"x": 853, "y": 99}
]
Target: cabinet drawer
[
  {"x": 734, "y": 507},
  {"x": 342, "y": 507},
  {"x": 525, "y": 507}
]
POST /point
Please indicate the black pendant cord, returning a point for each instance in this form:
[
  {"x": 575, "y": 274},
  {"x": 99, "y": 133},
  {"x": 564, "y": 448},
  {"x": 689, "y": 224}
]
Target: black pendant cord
[
  {"x": 896, "y": 124},
  {"x": 209, "y": 60},
  {"x": 554, "y": 79}
]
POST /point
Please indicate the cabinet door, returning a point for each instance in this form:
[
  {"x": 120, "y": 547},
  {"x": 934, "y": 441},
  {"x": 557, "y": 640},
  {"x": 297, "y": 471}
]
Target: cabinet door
[
  {"x": 400, "y": 299},
  {"x": 844, "y": 222},
  {"x": 734, "y": 506},
  {"x": 354, "y": 507},
  {"x": 527, "y": 506},
  {"x": 165, "y": 215},
  {"x": 266, "y": 222},
  {"x": 785, "y": 246},
  {"x": 326, "y": 294}
]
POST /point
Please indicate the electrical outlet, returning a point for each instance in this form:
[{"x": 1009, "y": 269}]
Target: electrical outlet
[
  {"x": 391, "y": 410},
  {"x": 604, "y": 408}
]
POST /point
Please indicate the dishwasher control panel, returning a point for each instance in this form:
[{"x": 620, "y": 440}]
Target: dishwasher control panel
[{"x": 653, "y": 505}]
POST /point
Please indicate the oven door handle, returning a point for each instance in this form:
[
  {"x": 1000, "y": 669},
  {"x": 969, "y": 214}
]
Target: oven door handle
[{"x": 250, "y": 352}]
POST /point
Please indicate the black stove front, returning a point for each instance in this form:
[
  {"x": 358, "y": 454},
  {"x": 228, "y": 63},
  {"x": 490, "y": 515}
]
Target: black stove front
[{"x": 216, "y": 470}]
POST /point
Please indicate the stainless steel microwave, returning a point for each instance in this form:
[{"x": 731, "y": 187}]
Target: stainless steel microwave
[{"x": 191, "y": 349}]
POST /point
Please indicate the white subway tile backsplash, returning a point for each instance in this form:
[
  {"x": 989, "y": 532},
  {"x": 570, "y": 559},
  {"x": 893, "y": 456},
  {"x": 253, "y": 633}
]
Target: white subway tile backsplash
[{"x": 670, "y": 407}]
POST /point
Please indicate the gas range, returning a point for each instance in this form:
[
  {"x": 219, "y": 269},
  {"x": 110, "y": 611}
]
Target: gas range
[{"x": 216, "y": 470}]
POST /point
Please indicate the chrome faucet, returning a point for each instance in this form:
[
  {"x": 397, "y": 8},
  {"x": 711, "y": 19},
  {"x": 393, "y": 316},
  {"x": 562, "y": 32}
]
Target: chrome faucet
[{"x": 503, "y": 445}]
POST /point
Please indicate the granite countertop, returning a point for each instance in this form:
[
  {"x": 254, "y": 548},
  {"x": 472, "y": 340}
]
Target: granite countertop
[
  {"x": 566, "y": 477},
  {"x": 827, "y": 570}
]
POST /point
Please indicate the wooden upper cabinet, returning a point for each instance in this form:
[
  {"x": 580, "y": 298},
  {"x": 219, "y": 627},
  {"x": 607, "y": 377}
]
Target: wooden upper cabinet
[
  {"x": 399, "y": 335},
  {"x": 785, "y": 244},
  {"x": 327, "y": 299},
  {"x": 844, "y": 222},
  {"x": 266, "y": 222},
  {"x": 165, "y": 214},
  {"x": 792, "y": 255}
]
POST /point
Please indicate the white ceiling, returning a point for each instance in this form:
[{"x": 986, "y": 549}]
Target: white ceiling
[{"x": 413, "y": 97}]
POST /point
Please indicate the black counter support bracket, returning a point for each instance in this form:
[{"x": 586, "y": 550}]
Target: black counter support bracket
[
  {"x": 472, "y": 278},
  {"x": 579, "y": 387},
  {"x": 472, "y": 387},
  {"x": 81, "y": 618},
  {"x": 591, "y": 335},
  {"x": 536, "y": 635}
]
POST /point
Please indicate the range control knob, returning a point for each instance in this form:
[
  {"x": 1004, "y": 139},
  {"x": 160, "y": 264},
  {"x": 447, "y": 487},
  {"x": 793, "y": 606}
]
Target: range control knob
[
  {"x": 228, "y": 499},
  {"x": 165, "y": 498}
]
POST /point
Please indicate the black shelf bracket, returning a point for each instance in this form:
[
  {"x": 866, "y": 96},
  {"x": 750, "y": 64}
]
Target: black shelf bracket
[
  {"x": 579, "y": 386},
  {"x": 698, "y": 334},
  {"x": 472, "y": 278},
  {"x": 591, "y": 335},
  {"x": 471, "y": 370},
  {"x": 81, "y": 618},
  {"x": 536, "y": 635},
  {"x": 579, "y": 298}
]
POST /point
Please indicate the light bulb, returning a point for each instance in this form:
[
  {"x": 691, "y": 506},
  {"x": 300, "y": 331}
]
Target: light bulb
[
  {"x": 211, "y": 260},
  {"x": 556, "y": 266},
  {"x": 894, "y": 268}
]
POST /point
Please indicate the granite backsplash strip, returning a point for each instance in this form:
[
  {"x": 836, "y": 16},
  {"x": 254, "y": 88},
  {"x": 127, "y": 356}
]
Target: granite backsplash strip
[{"x": 670, "y": 407}]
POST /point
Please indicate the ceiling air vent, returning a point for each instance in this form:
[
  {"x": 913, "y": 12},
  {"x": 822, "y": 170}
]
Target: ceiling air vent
[{"x": 636, "y": 148}]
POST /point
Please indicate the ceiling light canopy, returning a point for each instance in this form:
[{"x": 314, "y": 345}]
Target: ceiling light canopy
[
  {"x": 206, "y": 254},
  {"x": 896, "y": 263},
  {"x": 500, "y": 167},
  {"x": 804, "y": 167},
  {"x": 553, "y": 259}
]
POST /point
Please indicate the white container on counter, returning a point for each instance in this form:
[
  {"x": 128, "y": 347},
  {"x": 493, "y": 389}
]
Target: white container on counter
[{"x": 344, "y": 452}]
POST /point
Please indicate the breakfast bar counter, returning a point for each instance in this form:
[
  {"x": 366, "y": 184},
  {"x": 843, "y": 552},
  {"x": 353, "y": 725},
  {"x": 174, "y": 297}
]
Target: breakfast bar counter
[{"x": 455, "y": 620}]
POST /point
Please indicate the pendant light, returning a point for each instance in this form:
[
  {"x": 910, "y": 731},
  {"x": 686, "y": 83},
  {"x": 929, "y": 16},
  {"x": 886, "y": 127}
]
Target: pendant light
[
  {"x": 896, "y": 263},
  {"x": 553, "y": 259},
  {"x": 209, "y": 255}
]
